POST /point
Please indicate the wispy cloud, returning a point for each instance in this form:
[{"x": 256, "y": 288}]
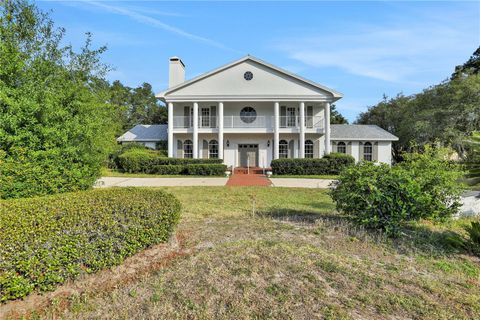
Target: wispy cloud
[
  {"x": 156, "y": 23},
  {"x": 399, "y": 51}
]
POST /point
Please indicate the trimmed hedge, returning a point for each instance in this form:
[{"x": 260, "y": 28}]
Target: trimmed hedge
[
  {"x": 46, "y": 240},
  {"x": 149, "y": 161},
  {"x": 330, "y": 164}
]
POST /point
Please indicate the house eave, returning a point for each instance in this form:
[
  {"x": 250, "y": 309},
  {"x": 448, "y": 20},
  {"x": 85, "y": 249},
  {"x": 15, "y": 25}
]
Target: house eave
[
  {"x": 363, "y": 139},
  {"x": 163, "y": 95}
]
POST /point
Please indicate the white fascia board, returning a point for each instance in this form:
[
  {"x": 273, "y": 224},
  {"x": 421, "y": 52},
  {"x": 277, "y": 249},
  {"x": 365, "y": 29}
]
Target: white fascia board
[
  {"x": 363, "y": 139},
  {"x": 336, "y": 95}
]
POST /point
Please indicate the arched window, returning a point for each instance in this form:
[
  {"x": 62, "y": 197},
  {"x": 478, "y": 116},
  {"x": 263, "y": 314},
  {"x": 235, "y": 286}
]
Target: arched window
[
  {"x": 341, "y": 147},
  {"x": 283, "y": 149},
  {"x": 308, "y": 149},
  {"x": 188, "y": 149},
  {"x": 213, "y": 149},
  {"x": 367, "y": 151}
]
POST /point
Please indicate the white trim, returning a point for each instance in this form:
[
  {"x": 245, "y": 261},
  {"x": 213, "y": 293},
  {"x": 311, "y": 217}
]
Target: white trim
[
  {"x": 335, "y": 95},
  {"x": 242, "y": 98},
  {"x": 363, "y": 139}
]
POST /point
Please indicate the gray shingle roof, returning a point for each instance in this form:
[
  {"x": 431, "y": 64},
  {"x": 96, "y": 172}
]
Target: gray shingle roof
[
  {"x": 145, "y": 132},
  {"x": 360, "y": 132}
]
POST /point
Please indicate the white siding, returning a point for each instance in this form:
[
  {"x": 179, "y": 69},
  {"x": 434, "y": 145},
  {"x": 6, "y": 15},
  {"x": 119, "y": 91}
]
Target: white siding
[{"x": 265, "y": 82}]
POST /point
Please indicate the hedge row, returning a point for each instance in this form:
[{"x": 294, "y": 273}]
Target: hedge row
[
  {"x": 189, "y": 169},
  {"x": 46, "y": 240},
  {"x": 149, "y": 161},
  {"x": 330, "y": 164}
]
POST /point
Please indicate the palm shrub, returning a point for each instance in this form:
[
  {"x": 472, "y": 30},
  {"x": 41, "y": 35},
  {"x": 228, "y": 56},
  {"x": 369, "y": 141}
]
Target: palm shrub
[
  {"x": 424, "y": 186},
  {"x": 474, "y": 233}
]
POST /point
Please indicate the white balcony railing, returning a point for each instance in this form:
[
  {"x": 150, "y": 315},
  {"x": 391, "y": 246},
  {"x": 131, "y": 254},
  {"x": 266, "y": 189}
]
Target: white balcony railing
[
  {"x": 187, "y": 122},
  {"x": 247, "y": 122},
  {"x": 311, "y": 122},
  {"x": 267, "y": 122}
]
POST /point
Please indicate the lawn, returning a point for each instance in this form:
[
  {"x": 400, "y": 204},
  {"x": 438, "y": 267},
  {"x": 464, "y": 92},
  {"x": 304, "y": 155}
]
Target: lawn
[{"x": 277, "y": 253}]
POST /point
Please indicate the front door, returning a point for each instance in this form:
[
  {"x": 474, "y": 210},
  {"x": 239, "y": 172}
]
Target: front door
[{"x": 248, "y": 155}]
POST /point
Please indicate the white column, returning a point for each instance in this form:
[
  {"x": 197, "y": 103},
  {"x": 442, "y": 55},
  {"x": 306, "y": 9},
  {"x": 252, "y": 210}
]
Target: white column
[
  {"x": 276, "y": 130},
  {"x": 220, "y": 131},
  {"x": 195, "y": 130},
  {"x": 302, "y": 131},
  {"x": 170, "y": 130},
  {"x": 327, "y": 127}
]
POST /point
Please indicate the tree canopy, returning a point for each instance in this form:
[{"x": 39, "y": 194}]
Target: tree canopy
[
  {"x": 56, "y": 124},
  {"x": 445, "y": 114},
  {"x": 336, "y": 117},
  {"x": 136, "y": 105}
]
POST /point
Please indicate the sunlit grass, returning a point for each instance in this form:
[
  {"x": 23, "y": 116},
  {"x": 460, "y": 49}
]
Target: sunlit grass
[{"x": 279, "y": 253}]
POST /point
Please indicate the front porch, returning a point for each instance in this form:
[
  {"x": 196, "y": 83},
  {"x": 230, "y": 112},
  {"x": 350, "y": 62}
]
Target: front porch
[
  {"x": 248, "y": 149},
  {"x": 265, "y": 118}
]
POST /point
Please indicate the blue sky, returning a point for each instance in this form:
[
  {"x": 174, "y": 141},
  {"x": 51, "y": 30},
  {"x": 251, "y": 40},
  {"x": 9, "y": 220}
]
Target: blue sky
[{"x": 362, "y": 49}]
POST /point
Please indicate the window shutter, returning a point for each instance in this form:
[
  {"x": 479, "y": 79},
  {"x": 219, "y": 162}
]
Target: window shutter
[
  {"x": 179, "y": 149},
  {"x": 334, "y": 147},
  {"x": 205, "y": 149},
  {"x": 291, "y": 149},
  {"x": 283, "y": 116},
  {"x": 316, "y": 144},
  {"x": 309, "y": 120},
  {"x": 375, "y": 151},
  {"x": 360, "y": 151},
  {"x": 213, "y": 116},
  {"x": 186, "y": 116},
  {"x": 349, "y": 148}
]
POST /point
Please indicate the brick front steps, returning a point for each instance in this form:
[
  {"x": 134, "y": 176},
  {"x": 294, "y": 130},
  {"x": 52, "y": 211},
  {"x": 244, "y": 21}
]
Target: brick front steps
[{"x": 248, "y": 177}]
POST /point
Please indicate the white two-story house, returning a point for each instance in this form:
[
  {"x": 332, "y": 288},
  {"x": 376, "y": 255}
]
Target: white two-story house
[{"x": 250, "y": 112}]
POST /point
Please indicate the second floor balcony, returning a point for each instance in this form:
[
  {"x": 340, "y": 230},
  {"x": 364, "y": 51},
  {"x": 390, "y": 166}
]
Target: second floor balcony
[{"x": 253, "y": 122}]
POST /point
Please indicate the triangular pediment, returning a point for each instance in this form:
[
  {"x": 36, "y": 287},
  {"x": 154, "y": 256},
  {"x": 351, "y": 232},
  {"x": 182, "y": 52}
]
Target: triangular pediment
[{"x": 267, "y": 81}]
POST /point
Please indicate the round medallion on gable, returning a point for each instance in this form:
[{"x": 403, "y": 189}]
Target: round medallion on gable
[{"x": 248, "y": 75}]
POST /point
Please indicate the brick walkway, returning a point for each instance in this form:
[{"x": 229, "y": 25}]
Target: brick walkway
[{"x": 253, "y": 178}]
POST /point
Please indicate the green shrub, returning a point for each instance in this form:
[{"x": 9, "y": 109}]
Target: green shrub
[
  {"x": 150, "y": 161},
  {"x": 46, "y": 240},
  {"x": 206, "y": 169},
  {"x": 53, "y": 138},
  {"x": 474, "y": 234},
  {"x": 329, "y": 164},
  {"x": 378, "y": 196}
]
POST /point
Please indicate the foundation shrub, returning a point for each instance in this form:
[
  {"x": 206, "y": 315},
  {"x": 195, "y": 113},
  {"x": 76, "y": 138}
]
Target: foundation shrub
[
  {"x": 330, "y": 164},
  {"x": 150, "y": 161},
  {"x": 46, "y": 240}
]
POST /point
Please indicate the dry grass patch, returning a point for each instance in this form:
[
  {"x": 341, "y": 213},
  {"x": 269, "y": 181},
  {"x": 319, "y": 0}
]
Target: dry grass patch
[{"x": 268, "y": 253}]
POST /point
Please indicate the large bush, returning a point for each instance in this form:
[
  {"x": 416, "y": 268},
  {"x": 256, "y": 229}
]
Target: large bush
[
  {"x": 55, "y": 125},
  {"x": 47, "y": 240},
  {"x": 424, "y": 186},
  {"x": 137, "y": 160},
  {"x": 330, "y": 164}
]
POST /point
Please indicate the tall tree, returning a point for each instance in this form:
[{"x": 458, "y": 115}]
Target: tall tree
[
  {"x": 445, "y": 114},
  {"x": 55, "y": 126},
  {"x": 137, "y": 105},
  {"x": 472, "y": 66},
  {"x": 336, "y": 117}
]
